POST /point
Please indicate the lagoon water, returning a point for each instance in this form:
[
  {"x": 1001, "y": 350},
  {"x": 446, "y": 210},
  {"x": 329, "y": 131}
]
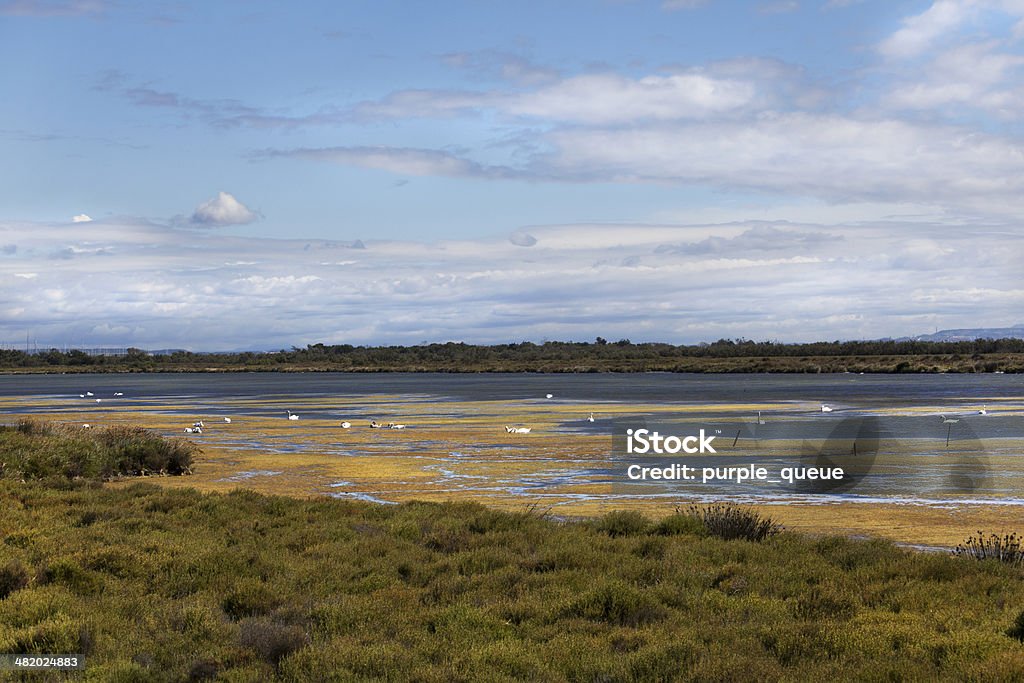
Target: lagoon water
[
  {"x": 983, "y": 460},
  {"x": 641, "y": 388}
]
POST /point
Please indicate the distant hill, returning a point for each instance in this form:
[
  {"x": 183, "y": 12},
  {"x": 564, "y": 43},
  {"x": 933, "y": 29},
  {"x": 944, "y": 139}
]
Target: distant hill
[{"x": 970, "y": 334}]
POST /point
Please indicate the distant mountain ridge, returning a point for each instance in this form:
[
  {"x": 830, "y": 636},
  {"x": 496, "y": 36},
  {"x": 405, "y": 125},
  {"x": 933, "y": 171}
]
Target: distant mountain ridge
[{"x": 970, "y": 334}]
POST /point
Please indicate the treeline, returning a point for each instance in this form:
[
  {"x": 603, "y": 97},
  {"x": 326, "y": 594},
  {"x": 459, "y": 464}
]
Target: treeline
[{"x": 724, "y": 355}]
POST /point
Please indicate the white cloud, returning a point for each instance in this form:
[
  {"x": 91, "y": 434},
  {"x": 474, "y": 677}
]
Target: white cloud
[
  {"x": 222, "y": 210},
  {"x": 399, "y": 160},
  {"x": 919, "y": 32},
  {"x": 51, "y": 8},
  {"x": 762, "y": 280},
  {"x": 778, "y": 7},
  {"x": 522, "y": 239},
  {"x": 81, "y": 218},
  {"x": 602, "y": 98},
  {"x": 610, "y": 98},
  {"x": 977, "y": 75},
  {"x": 823, "y": 156},
  {"x": 672, "y": 5}
]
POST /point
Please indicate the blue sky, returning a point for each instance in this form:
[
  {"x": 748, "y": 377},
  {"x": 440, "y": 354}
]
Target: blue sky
[{"x": 395, "y": 172}]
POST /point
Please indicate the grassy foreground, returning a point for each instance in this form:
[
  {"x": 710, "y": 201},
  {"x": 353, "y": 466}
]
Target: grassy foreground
[{"x": 154, "y": 583}]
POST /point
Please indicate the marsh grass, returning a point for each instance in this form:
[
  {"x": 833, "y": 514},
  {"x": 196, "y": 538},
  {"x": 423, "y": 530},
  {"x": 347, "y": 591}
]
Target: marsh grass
[
  {"x": 44, "y": 450},
  {"x": 1008, "y": 548},
  {"x": 167, "y": 584},
  {"x": 730, "y": 522}
]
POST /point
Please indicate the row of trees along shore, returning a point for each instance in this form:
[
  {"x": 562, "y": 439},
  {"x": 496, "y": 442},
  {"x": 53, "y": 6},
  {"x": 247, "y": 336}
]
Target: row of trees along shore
[{"x": 724, "y": 355}]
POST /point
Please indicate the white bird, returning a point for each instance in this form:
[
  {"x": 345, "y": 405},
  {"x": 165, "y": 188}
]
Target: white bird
[
  {"x": 227, "y": 420},
  {"x": 983, "y": 411},
  {"x": 549, "y": 395},
  {"x": 292, "y": 416},
  {"x": 517, "y": 430},
  {"x": 375, "y": 425},
  {"x": 81, "y": 396},
  {"x": 591, "y": 418},
  {"x": 193, "y": 430},
  {"x": 759, "y": 420},
  {"x": 346, "y": 425},
  {"x": 87, "y": 426},
  {"x": 825, "y": 408},
  {"x": 118, "y": 393},
  {"x": 392, "y": 425},
  {"x": 98, "y": 400},
  {"x": 949, "y": 420},
  {"x": 198, "y": 424},
  {"x": 88, "y": 393}
]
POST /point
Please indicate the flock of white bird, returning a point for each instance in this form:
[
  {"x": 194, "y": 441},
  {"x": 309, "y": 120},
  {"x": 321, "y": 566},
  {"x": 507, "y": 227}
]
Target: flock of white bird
[{"x": 197, "y": 427}]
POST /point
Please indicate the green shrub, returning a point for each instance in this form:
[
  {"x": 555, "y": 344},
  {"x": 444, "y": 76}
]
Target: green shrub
[
  {"x": 42, "y": 450},
  {"x": 270, "y": 640},
  {"x": 1017, "y": 630},
  {"x": 13, "y": 577},
  {"x": 617, "y": 603},
  {"x": 680, "y": 524},
  {"x": 66, "y": 572},
  {"x": 730, "y": 522},
  {"x": 623, "y": 523},
  {"x": 249, "y": 598}
]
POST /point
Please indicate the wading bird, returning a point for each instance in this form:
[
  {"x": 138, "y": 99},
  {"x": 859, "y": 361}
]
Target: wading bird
[
  {"x": 591, "y": 418},
  {"x": 825, "y": 408},
  {"x": 517, "y": 430},
  {"x": 292, "y": 416},
  {"x": 193, "y": 430},
  {"x": 346, "y": 425},
  {"x": 983, "y": 411},
  {"x": 227, "y": 420}
]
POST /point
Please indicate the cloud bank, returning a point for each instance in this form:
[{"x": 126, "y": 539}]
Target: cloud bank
[{"x": 158, "y": 286}]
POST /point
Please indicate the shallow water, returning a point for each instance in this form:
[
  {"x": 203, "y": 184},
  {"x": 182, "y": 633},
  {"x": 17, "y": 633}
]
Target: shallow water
[{"x": 456, "y": 442}]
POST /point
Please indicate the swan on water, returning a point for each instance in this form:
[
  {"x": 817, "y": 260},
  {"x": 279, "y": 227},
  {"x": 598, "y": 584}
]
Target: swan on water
[
  {"x": 825, "y": 408},
  {"x": 292, "y": 416},
  {"x": 346, "y": 425}
]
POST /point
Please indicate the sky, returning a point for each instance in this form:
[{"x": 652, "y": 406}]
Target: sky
[{"x": 260, "y": 175}]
